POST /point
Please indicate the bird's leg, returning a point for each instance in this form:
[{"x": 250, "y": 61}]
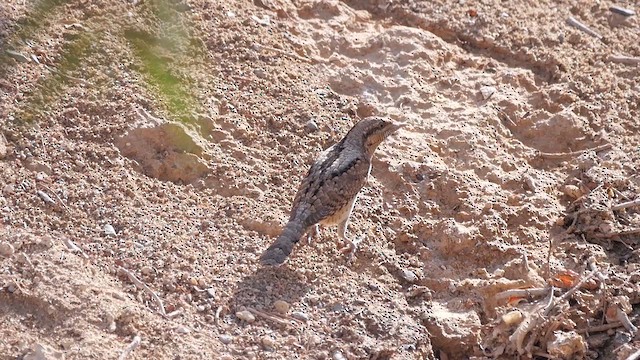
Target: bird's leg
[{"x": 352, "y": 245}]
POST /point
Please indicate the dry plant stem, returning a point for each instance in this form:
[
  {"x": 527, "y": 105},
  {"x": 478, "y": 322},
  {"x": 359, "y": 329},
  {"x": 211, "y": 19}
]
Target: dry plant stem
[
  {"x": 528, "y": 293},
  {"x": 548, "y": 267},
  {"x": 269, "y": 317},
  {"x": 625, "y": 205},
  {"x": 174, "y": 313},
  {"x": 582, "y": 27},
  {"x": 619, "y": 233},
  {"x": 132, "y": 346},
  {"x": 285, "y": 53},
  {"x": 621, "y": 59},
  {"x": 624, "y": 319},
  {"x": 217, "y": 316},
  {"x": 72, "y": 246},
  {"x": 575, "y": 153},
  {"x": 634, "y": 356},
  {"x": 600, "y": 328},
  {"x": 530, "y": 322},
  {"x": 144, "y": 287},
  {"x": 575, "y": 288},
  {"x": 56, "y": 195}
]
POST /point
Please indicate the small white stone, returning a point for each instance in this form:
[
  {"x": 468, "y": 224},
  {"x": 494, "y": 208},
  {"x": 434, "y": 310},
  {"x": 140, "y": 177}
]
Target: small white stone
[
  {"x": 300, "y": 316},
  {"x": 246, "y": 315},
  {"x": 281, "y": 306},
  {"x": 109, "y": 230},
  {"x": 225, "y": 339},
  {"x": 6, "y": 249},
  {"x": 211, "y": 292},
  {"x": 66, "y": 344},
  {"x": 337, "y": 355},
  {"x": 268, "y": 343},
  {"x": 487, "y": 91},
  {"x": 408, "y": 275},
  {"x": 9, "y": 189},
  {"x": 572, "y": 191},
  {"x": 146, "y": 270},
  {"x": 183, "y": 330},
  {"x": 311, "y": 126}
]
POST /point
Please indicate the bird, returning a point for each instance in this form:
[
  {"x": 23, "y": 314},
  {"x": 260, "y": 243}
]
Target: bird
[{"x": 330, "y": 189}]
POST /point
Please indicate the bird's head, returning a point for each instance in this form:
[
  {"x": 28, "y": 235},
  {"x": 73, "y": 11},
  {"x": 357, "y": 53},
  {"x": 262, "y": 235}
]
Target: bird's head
[{"x": 371, "y": 131}]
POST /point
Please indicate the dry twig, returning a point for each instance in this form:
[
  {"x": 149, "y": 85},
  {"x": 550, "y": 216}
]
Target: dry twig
[
  {"x": 528, "y": 293},
  {"x": 626, "y": 204},
  {"x": 624, "y": 319},
  {"x": 634, "y": 356},
  {"x": 273, "y": 318},
  {"x": 56, "y": 195},
  {"x": 73, "y": 247},
  {"x": 619, "y": 233},
  {"x": 139, "y": 284},
  {"x": 574, "y": 153},
  {"x": 286, "y": 53},
  {"x": 621, "y": 59},
  {"x": 582, "y": 27},
  {"x": 600, "y": 328},
  {"x": 132, "y": 346}
]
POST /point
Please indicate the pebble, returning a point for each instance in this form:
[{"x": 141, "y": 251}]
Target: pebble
[
  {"x": 268, "y": 343},
  {"x": 337, "y": 355},
  {"x": 146, "y": 270},
  {"x": 265, "y": 20},
  {"x": 211, "y": 292},
  {"x": 260, "y": 73},
  {"x": 621, "y": 11},
  {"x": 9, "y": 189},
  {"x": 47, "y": 241},
  {"x": 300, "y": 316},
  {"x": 281, "y": 306},
  {"x": 225, "y": 339},
  {"x": 45, "y": 197},
  {"x": 487, "y": 92},
  {"x": 66, "y": 344},
  {"x": 572, "y": 191},
  {"x": 408, "y": 275},
  {"x": 311, "y": 126},
  {"x": 246, "y": 315},
  {"x": 6, "y": 249},
  {"x": 183, "y": 330},
  {"x": 3, "y": 147},
  {"x": 43, "y": 352},
  {"x": 109, "y": 230}
]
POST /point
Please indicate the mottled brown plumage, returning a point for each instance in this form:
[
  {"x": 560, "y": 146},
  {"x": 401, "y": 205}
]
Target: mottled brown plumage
[{"x": 330, "y": 189}]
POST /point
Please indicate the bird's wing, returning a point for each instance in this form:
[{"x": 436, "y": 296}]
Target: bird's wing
[{"x": 332, "y": 182}]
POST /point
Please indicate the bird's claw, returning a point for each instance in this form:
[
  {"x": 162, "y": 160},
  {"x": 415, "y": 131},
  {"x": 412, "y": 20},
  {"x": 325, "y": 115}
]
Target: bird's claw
[{"x": 351, "y": 248}]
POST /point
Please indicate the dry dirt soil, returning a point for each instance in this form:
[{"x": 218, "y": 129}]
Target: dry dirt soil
[{"x": 150, "y": 151}]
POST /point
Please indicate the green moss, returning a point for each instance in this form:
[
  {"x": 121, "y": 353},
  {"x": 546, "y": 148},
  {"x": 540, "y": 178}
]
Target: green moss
[
  {"x": 158, "y": 67},
  {"x": 48, "y": 90}
]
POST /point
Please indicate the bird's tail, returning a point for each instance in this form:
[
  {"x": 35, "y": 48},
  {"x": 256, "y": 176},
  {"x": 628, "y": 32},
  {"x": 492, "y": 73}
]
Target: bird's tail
[{"x": 282, "y": 247}]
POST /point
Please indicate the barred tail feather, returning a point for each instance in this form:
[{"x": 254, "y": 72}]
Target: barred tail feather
[{"x": 277, "y": 253}]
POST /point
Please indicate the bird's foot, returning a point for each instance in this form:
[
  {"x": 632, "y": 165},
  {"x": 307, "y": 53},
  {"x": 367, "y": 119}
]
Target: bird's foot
[
  {"x": 312, "y": 234},
  {"x": 352, "y": 247}
]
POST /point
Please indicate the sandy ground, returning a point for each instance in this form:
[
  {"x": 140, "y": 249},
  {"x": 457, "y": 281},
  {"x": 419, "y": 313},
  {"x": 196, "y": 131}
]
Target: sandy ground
[{"x": 161, "y": 143}]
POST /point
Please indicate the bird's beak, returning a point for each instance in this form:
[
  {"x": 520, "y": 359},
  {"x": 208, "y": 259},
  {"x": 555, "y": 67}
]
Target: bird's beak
[{"x": 397, "y": 125}]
